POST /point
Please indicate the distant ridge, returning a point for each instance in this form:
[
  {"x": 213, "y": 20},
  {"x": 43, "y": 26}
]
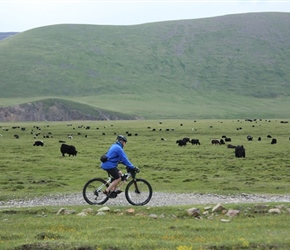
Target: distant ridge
[
  {"x": 4, "y": 35},
  {"x": 57, "y": 110}
]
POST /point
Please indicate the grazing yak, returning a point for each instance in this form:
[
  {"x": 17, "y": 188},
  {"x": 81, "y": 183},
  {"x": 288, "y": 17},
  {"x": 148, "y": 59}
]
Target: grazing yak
[
  {"x": 215, "y": 141},
  {"x": 186, "y": 139},
  {"x": 274, "y": 141},
  {"x": 249, "y": 137},
  {"x": 68, "y": 149},
  {"x": 38, "y": 143},
  {"x": 181, "y": 142},
  {"x": 228, "y": 139},
  {"x": 195, "y": 141},
  {"x": 240, "y": 151}
]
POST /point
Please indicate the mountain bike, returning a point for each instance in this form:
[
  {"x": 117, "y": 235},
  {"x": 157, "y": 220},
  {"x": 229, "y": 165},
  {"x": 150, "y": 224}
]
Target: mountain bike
[{"x": 138, "y": 192}]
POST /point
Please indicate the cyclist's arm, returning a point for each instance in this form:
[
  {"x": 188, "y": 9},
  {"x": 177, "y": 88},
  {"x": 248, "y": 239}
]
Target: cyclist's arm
[{"x": 124, "y": 159}]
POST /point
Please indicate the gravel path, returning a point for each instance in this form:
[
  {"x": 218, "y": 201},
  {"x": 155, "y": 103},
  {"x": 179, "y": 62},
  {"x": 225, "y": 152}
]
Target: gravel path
[{"x": 158, "y": 199}]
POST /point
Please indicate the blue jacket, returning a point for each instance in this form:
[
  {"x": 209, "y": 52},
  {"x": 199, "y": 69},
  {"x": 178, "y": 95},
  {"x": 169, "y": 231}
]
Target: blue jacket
[{"x": 116, "y": 155}]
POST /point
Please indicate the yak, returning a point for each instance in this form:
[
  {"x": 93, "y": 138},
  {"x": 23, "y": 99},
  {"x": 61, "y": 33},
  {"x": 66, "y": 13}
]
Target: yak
[{"x": 68, "y": 149}]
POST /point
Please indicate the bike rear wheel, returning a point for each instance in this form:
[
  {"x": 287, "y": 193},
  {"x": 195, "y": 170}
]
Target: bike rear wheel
[
  {"x": 93, "y": 191},
  {"x": 138, "y": 192}
]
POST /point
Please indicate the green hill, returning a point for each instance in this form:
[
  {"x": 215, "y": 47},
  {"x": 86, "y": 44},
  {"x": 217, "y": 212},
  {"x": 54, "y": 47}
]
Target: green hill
[{"x": 228, "y": 66}]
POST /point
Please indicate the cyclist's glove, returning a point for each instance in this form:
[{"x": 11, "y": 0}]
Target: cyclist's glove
[{"x": 137, "y": 170}]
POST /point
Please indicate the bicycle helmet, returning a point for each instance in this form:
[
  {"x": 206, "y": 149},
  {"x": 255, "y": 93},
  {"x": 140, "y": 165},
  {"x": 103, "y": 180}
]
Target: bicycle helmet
[{"x": 121, "y": 138}]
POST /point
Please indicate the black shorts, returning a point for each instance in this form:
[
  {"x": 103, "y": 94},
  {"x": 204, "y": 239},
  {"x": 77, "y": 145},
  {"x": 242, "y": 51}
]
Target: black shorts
[{"x": 114, "y": 172}]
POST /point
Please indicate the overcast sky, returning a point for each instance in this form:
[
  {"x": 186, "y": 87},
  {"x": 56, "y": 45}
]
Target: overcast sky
[{"x": 24, "y": 15}]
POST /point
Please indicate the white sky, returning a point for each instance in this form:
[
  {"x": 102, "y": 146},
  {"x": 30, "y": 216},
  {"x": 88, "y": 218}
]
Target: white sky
[{"x": 23, "y": 15}]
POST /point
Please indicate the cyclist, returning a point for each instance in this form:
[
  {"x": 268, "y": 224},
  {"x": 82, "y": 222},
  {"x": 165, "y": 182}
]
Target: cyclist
[{"x": 116, "y": 155}]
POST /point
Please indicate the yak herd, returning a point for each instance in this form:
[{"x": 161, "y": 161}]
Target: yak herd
[
  {"x": 71, "y": 150},
  {"x": 240, "y": 151},
  {"x": 64, "y": 148}
]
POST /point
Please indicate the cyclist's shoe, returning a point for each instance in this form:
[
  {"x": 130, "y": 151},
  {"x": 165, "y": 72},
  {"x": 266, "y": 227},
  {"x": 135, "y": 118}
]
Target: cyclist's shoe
[
  {"x": 107, "y": 192},
  {"x": 119, "y": 191}
]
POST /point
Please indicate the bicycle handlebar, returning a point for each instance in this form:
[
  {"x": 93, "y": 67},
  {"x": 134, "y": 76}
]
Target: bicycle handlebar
[{"x": 134, "y": 170}]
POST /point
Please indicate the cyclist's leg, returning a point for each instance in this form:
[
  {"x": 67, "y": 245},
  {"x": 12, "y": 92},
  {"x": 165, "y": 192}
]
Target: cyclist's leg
[{"x": 116, "y": 174}]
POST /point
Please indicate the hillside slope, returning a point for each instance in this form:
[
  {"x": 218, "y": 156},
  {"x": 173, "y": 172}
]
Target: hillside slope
[
  {"x": 247, "y": 54},
  {"x": 177, "y": 65}
]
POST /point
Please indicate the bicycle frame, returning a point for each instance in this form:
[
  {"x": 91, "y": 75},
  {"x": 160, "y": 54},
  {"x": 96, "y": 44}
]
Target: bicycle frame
[{"x": 125, "y": 177}]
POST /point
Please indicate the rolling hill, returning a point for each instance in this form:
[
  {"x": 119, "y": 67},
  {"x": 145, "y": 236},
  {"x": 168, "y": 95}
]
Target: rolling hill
[{"x": 221, "y": 67}]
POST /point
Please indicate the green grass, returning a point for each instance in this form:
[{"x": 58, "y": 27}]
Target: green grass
[
  {"x": 169, "y": 228},
  {"x": 28, "y": 171}
]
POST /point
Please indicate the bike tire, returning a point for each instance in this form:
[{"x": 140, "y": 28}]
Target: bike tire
[
  {"x": 138, "y": 192},
  {"x": 93, "y": 191}
]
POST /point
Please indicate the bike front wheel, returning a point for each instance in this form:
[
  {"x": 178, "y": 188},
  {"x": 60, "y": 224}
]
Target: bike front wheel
[
  {"x": 93, "y": 191},
  {"x": 138, "y": 192}
]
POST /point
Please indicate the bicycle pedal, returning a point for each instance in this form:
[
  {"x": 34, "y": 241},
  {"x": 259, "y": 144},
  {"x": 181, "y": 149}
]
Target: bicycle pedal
[{"x": 113, "y": 195}]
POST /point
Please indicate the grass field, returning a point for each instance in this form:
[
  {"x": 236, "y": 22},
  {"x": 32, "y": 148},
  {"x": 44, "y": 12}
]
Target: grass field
[
  {"x": 29, "y": 171},
  {"x": 169, "y": 228}
]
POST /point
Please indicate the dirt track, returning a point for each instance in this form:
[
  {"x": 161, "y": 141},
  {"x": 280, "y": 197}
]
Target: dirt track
[{"x": 158, "y": 199}]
